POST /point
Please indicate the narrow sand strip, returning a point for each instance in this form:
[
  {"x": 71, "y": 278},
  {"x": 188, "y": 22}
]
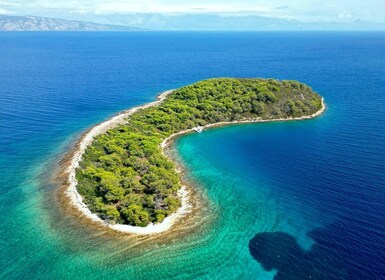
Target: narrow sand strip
[
  {"x": 76, "y": 198},
  {"x": 101, "y": 128}
]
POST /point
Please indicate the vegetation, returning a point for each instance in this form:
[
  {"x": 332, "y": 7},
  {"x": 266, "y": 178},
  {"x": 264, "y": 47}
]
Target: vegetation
[{"x": 123, "y": 175}]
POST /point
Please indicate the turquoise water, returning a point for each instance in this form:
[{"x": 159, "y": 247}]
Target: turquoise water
[{"x": 302, "y": 198}]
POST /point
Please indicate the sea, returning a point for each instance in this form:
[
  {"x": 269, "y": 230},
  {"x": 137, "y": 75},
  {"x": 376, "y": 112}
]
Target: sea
[{"x": 285, "y": 200}]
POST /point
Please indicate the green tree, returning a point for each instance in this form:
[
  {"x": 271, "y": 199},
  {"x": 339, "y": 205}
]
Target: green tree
[{"x": 135, "y": 215}]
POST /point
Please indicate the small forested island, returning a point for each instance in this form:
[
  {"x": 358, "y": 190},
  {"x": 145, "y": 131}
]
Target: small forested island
[{"x": 123, "y": 175}]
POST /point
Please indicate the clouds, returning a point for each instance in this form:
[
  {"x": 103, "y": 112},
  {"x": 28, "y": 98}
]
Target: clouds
[
  {"x": 151, "y": 6},
  {"x": 5, "y": 3},
  {"x": 282, "y": 7},
  {"x": 305, "y": 10},
  {"x": 5, "y": 7},
  {"x": 345, "y": 16},
  {"x": 5, "y": 12}
]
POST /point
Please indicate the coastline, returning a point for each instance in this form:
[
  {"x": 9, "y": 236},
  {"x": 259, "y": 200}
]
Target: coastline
[
  {"x": 77, "y": 201},
  {"x": 166, "y": 142}
]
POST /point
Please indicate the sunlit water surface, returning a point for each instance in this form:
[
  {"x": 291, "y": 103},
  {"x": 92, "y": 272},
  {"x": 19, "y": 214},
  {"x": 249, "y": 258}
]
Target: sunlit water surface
[{"x": 307, "y": 197}]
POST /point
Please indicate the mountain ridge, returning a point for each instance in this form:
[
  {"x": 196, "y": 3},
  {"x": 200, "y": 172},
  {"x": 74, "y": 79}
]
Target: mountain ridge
[
  {"x": 230, "y": 22},
  {"x": 174, "y": 22},
  {"x": 34, "y": 23}
]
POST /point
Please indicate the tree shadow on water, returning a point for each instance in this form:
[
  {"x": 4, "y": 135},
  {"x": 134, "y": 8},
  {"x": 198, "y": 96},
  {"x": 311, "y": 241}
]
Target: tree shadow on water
[{"x": 339, "y": 252}]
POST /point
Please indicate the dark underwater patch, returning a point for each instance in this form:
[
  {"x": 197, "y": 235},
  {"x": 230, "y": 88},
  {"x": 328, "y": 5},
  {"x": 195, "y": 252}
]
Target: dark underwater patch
[{"x": 335, "y": 254}]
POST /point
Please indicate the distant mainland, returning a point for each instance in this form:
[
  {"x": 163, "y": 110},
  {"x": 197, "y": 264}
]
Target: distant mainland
[
  {"x": 121, "y": 177},
  {"x": 172, "y": 22}
]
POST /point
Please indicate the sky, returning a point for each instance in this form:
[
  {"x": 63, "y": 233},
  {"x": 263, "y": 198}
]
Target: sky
[{"x": 302, "y": 10}]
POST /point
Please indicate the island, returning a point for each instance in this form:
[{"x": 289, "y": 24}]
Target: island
[{"x": 121, "y": 177}]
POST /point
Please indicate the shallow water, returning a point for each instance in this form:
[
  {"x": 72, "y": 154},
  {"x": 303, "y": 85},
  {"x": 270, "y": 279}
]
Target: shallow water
[{"x": 316, "y": 183}]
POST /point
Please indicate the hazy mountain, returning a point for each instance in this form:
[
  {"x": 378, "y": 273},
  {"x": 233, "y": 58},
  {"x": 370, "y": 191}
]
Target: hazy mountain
[
  {"x": 32, "y": 23},
  {"x": 147, "y": 21},
  {"x": 236, "y": 21}
]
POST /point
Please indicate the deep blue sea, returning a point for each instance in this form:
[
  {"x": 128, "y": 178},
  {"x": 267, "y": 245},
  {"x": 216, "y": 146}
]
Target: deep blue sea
[{"x": 286, "y": 200}]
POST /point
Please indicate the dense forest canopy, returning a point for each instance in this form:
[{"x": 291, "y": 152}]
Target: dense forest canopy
[{"x": 123, "y": 175}]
